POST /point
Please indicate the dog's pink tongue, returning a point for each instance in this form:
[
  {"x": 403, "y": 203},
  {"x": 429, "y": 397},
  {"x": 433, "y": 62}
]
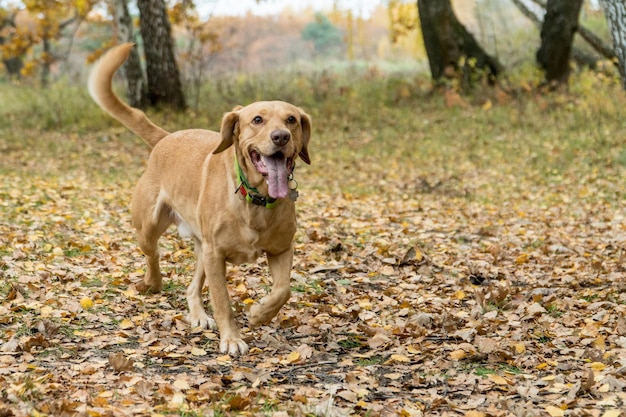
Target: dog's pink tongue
[{"x": 277, "y": 176}]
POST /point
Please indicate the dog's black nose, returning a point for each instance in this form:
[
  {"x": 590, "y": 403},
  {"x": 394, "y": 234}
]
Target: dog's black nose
[{"x": 280, "y": 137}]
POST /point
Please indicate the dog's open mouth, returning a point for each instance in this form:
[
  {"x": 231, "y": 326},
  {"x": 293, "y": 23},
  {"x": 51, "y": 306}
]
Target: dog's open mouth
[{"x": 276, "y": 169}]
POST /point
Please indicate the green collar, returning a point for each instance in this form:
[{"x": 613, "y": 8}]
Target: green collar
[{"x": 250, "y": 193}]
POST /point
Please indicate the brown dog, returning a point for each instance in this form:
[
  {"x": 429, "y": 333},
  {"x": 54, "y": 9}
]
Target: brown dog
[{"x": 227, "y": 190}]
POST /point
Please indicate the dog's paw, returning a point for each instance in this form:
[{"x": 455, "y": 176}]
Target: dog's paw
[
  {"x": 233, "y": 346},
  {"x": 144, "y": 288},
  {"x": 259, "y": 315},
  {"x": 201, "y": 320}
]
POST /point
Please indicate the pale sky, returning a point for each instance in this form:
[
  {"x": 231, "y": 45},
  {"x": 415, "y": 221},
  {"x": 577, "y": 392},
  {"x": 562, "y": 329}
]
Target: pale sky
[{"x": 270, "y": 7}]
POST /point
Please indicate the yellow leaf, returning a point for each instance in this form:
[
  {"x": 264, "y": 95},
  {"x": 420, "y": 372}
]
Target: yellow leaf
[
  {"x": 399, "y": 358},
  {"x": 248, "y": 301},
  {"x": 487, "y": 105},
  {"x": 520, "y": 348},
  {"x": 600, "y": 343},
  {"x": 498, "y": 379},
  {"x": 457, "y": 355},
  {"x": 555, "y": 411},
  {"x": 86, "y": 303},
  {"x": 542, "y": 366},
  {"x": 459, "y": 295},
  {"x": 598, "y": 366},
  {"x": 106, "y": 394},
  {"x": 86, "y": 334},
  {"x": 412, "y": 350},
  {"x": 292, "y": 357},
  {"x": 522, "y": 259},
  {"x": 126, "y": 324}
]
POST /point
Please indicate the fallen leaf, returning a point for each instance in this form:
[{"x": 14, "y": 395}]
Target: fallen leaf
[
  {"x": 378, "y": 340},
  {"x": 198, "y": 351},
  {"x": 120, "y": 363},
  {"x": 458, "y": 355},
  {"x": 498, "y": 379},
  {"x": 555, "y": 411},
  {"x": 86, "y": 303},
  {"x": 181, "y": 384},
  {"x": 399, "y": 358}
]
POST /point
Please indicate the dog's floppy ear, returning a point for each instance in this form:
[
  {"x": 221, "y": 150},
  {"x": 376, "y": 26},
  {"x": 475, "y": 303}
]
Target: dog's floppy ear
[
  {"x": 230, "y": 126},
  {"x": 306, "y": 135}
]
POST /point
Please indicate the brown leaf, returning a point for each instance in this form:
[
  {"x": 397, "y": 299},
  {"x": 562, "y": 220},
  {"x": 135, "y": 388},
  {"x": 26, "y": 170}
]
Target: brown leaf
[
  {"x": 35, "y": 341},
  {"x": 120, "y": 363},
  {"x": 144, "y": 388},
  {"x": 378, "y": 340}
]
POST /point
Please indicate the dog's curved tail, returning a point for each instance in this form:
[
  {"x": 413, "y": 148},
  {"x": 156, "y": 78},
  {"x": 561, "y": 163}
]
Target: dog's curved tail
[{"x": 102, "y": 93}]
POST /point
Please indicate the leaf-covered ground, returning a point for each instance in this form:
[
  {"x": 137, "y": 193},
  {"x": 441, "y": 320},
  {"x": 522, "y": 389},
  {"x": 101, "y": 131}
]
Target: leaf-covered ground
[{"x": 454, "y": 262}]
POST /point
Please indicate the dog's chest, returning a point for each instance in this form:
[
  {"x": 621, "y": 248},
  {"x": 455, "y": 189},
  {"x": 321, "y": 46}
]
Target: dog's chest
[{"x": 248, "y": 248}]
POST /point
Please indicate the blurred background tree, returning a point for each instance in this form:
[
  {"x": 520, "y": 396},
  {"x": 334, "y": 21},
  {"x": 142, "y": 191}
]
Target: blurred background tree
[
  {"x": 615, "y": 11},
  {"x": 326, "y": 38},
  {"x": 181, "y": 43}
]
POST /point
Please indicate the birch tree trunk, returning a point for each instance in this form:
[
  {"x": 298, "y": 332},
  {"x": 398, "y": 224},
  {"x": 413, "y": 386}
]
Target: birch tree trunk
[
  {"x": 164, "y": 85},
  {"x": 135, "y": 81},
  {"x": 615, "y": 12}
]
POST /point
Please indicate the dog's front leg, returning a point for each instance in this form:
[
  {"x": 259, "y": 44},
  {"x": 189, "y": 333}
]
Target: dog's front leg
[
  {"x": 215, "y": 268},
  {"x": 280, "y": 268}
]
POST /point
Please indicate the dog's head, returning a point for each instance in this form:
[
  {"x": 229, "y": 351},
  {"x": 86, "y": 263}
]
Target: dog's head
[{"x": 269, "y": 136}]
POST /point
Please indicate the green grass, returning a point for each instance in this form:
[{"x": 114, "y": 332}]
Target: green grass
[{"x": 553, "y": 139}]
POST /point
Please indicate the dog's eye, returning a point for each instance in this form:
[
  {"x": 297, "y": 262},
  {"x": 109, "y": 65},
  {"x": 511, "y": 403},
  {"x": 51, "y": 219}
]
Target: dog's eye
[
  {"x": 291, "y": 119},
  {"x": 257, "y": 120}
]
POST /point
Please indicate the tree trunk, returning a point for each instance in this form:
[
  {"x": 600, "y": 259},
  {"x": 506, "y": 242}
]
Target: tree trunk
[
  {"x": 578, "y": 55},
  {"x": 13, "y": 64},
  {"x": 557, "y": 35},
  {"x": 46, "y": 61},
  {"x": 447, "y": 42},
  {"x": 135, "y": 82},
  {"x": 164, "y": 86},
  {"x": 615, "y": 12}
]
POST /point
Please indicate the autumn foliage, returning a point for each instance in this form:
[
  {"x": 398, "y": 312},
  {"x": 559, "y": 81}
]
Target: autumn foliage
[
  {"x": 450, "y": 260},
  {"x": 456, "y": 255}
]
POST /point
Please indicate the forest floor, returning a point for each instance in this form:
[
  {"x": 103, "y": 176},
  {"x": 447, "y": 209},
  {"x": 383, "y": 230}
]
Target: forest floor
[{"x": 464, "y": 261}]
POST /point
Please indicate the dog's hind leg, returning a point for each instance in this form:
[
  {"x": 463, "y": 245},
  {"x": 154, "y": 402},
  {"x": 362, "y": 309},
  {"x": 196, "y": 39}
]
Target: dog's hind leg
[
  {"x": 267, "y": 308},
  {"x": 150, "y": 225},
  {"x": 197, "y": 316}
]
